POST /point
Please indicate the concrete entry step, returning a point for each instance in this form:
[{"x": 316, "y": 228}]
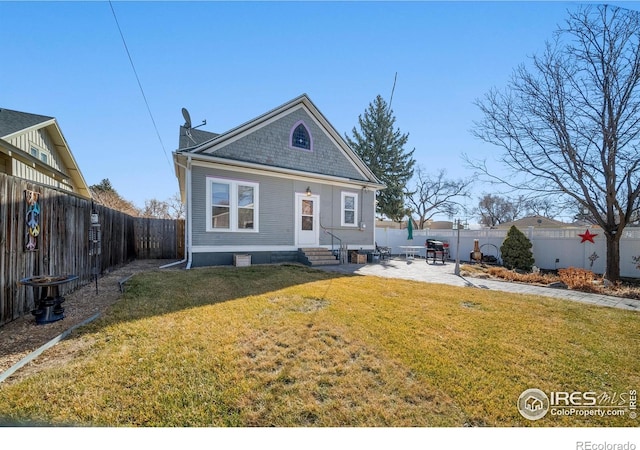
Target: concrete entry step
[{"x": 318, "y": 256}]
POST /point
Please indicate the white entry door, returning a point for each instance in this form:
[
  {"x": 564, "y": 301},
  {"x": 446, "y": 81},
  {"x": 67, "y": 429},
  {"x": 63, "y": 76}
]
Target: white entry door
[{"x": 307, "y": 220}]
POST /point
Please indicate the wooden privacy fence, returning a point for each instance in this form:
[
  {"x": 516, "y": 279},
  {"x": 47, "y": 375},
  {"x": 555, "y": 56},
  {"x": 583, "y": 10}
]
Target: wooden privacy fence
[
  {"x": 159, "y": 238},
  {"x": 62, "y": 245}
]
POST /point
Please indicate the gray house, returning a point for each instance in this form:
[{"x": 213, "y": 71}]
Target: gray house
[{"x": 282, "y": 187}]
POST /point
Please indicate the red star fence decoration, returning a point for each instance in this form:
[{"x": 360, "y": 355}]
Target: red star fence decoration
[{"x": 587, "y": 236}]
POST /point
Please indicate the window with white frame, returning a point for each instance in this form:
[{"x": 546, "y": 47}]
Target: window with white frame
[
  {"x": 232, "y": 205},
  {"x": 37, "y": 152},
  {"x": 349, "y": 209}
]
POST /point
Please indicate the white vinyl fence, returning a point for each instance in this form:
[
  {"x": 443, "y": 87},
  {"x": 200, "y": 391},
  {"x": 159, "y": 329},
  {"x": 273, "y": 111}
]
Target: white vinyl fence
[{"x": 555, "y": 248}]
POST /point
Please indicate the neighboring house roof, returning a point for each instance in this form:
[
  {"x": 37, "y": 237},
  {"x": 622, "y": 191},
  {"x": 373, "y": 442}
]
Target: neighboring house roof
[
  {"x": 441, "y": 225},
  {"x": 12, "y": 122},
  {"x": 535, "y": 221},
  {"x": 383, "y": 223},
  {"x": 221, "y": 148},
  {"x": 15, "y": 123},
  {"x": 433, "y": 225}
]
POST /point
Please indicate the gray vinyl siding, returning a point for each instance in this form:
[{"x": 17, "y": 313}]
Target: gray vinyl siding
[
  {"x": 276, "y": 211},
  {"x": 269, "y": 145},
  {"x": 275, "y": 202},
  {"x": 331, "y": 212}
]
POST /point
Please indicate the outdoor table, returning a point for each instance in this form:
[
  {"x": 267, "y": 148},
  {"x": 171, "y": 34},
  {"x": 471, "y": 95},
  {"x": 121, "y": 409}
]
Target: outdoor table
[{"x": 411, "y": 250}]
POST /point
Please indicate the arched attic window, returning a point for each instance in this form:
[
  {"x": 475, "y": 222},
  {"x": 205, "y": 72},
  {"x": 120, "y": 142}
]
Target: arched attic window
[{"x": 301, "y": 137}]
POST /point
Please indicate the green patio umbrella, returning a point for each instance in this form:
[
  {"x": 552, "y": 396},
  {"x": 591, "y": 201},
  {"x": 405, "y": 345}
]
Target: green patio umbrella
[{"x": 410, "y": 229}]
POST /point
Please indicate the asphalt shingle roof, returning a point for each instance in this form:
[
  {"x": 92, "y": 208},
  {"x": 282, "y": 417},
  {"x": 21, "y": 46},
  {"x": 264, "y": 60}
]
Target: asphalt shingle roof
[
  {"x": 197, "y": 137},
  {"x": 12, "y": 121}
]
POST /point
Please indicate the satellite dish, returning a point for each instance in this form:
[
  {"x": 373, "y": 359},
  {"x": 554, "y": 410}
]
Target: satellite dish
[{"x": 187, "y": 118}]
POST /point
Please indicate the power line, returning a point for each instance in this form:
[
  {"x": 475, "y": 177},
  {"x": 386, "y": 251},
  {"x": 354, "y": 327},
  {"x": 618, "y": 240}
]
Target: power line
[
  {"x": 393, "y": 90},
  {"x": 139, "y": 83}
]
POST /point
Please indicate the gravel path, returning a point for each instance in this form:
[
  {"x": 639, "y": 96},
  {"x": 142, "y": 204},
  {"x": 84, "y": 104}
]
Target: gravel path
[{"x": 22, "y": 336}]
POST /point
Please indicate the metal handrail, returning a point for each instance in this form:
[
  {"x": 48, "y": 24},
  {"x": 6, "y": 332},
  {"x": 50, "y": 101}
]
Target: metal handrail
[{"x": 340, "y": 247}]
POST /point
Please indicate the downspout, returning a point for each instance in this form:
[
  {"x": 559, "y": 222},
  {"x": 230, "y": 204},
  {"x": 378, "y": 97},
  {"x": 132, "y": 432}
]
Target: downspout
[
  {"x": 187, "y": 229},
  {"x": 361, "y": 223}
]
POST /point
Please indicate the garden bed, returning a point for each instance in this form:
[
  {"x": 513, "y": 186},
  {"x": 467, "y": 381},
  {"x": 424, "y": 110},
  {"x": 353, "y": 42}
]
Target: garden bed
[{"x": 576, "y": 279}]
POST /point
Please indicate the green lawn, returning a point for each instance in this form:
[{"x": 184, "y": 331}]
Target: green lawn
[{"x": 290, "y": 346}]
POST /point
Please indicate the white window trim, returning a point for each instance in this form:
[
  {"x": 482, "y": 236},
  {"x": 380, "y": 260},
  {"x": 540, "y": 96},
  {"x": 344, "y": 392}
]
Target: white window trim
[
  {"x": 39, "y": 153},
  {"x": 355, "y": 209},
  {"x": 233, "y": 207}
]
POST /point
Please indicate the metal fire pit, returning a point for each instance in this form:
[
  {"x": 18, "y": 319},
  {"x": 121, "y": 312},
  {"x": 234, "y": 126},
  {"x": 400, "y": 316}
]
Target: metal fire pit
[{"x": 49, "y": 302}]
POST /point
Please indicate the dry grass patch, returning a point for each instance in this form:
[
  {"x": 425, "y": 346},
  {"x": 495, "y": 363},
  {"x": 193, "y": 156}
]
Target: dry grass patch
[{"x": 291, "y": 346}]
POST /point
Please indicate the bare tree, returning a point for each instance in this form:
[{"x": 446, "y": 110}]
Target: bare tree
[
  {"x": 493, "y": 210},
  {"x": 176, "y": 207},
  {"x": 570, "y": 125},
  {"x": 435, "y": 194},
  {"x": 104, "y": 194},
  {"x": 543, "y": 206},
  {"x": 172, "y": 208},
  {"x": 156, "y": 209},
  {"x": 582, "y": 215}
]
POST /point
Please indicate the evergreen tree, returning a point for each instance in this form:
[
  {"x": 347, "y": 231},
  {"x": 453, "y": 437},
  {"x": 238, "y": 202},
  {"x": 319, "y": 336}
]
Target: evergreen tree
[
  {"x": 381, "y": 148},
  {"x": 516, "y": 250}
]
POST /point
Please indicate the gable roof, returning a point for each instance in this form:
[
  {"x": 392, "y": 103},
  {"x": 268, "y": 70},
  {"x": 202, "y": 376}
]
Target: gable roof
[
  {"x": 534, "y": 221},
  {"x": 14, "y": 123},
  {"x": 210, "y": 150}
]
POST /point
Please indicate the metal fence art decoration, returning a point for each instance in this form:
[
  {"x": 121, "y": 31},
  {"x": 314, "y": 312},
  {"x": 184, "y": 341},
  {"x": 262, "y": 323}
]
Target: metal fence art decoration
[
  {"x": 587, "y": 236},
  {"x": 32, "y": 200}
]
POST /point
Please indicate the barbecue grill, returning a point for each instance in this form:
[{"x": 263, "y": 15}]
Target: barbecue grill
[{"x": 435, "y": 250}]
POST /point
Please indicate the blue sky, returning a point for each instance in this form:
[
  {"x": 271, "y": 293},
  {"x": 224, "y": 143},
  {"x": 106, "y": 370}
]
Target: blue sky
[{"x": 228, "y": 62}]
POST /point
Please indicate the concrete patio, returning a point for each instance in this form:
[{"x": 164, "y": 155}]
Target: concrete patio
[{"x": 418, "y": 270}]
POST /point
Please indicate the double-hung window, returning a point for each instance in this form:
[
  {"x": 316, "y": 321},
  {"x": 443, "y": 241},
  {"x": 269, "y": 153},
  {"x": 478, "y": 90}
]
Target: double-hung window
[
  {"x": 39, "y": 153},
  {"x": 232, "y": 205},
  {"x": 349, "y": 209}
]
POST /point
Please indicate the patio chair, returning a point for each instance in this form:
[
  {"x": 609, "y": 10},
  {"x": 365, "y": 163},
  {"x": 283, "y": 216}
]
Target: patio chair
[{"x": 385, "y": 252}]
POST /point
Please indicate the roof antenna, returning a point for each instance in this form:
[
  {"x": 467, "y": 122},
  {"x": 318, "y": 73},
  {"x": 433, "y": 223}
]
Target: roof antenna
[
  {"x": 393, "y": 90},
  {"x": 187, "y": 124}
]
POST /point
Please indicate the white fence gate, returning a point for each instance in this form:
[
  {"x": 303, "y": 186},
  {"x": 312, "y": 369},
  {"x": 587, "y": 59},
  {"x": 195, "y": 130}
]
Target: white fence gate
[{"x": 553, "y": 248}]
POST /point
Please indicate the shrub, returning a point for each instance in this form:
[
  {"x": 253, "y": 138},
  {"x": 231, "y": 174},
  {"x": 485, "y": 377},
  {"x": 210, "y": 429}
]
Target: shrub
[
  {"x": 510, "y": 275},
  {"x": 516, "y": 250},
  {"x": 578, "y": 279}
]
